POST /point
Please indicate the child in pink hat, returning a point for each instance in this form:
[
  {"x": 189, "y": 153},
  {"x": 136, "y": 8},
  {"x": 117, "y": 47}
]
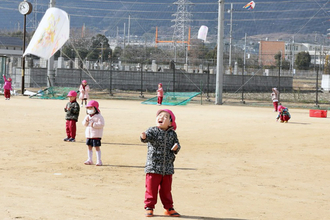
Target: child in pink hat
[
  {"x": 84, "y": 90},
  {"x": 163, "y": 145},
  {"x": 160, "y": 94},
  {"x": 283, "y": 114},
  {"x": 94, "y": 123},
  {"x": 72, "y": 110},
  {"x": 7, "y": 87}
]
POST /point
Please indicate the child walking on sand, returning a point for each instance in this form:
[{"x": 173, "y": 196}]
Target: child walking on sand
[
  {"x": 275, "y": 95},
  {"x": 160, "y": 94},
  {"x": 163, "y": 145},
  {"x": 283, "y": 114},
  {"x": 7, "y": 87},
  {"x": 84, "y": 90},
  {"x": 94, "y": 124},
  {"x": 72, "y": 110}
]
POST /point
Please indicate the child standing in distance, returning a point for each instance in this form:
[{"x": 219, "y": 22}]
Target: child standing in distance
[
  {"x": 7, "y": 87},
  {"x": 84, "y": 90},
  {"x": 283, "y": 114},
  {"x": 275, "y": 94},
  {"x": 94, "y": 124},
  {"x": 160, "y": 94},
  {"x": 72, "y": 110},
  {"x": 163, "y": 145}
]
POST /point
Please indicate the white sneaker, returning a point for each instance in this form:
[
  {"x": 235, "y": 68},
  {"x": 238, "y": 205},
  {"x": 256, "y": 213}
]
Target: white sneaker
[
  {"x": 99, "y": 163},
  {"x": 88, "y": 162}
]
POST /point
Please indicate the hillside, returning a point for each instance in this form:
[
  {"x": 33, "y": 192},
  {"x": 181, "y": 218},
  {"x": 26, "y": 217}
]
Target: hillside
[{"x": 269, "y": 16}]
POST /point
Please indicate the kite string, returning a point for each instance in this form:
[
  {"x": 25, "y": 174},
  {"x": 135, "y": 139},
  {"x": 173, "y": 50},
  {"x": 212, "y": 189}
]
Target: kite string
[
  {"x": 322, "y": 8},
  {"x": 86, "y": 71}
]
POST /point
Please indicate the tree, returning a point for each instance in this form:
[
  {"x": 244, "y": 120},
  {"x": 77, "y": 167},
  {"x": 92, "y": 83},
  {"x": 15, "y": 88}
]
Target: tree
[
  {"x": 327, "y": 65},
  {"x": 278, "y": 58},
  {"x": 285, "y": 64},
  {"x": 100, "y": 48},
  {"x": 116, "y": 54},
  {"x": 303, "y": 61}
]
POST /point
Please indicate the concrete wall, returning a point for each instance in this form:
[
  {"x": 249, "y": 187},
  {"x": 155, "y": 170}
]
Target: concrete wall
[{"x": 128, "y": 80}]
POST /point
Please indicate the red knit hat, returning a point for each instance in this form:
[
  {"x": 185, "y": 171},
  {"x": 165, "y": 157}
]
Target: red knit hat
[{"x": 171, "y": 114}]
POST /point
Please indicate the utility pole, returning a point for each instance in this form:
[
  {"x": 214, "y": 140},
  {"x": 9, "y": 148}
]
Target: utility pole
[
  {"x": 24, "y": 8},
  {"x": 293, "y": 53},
  {"x": 317, "y": 83},
  {"x": 23, "y": 58},
  {"x": 50, "y": 68},
  {"x": 219, "y": 76},
  {"x": 129, "y": 28},
  {"x": 244, "y": 69},
  {"x": 279, "y": 74},
  {"x": 124, "y": 41},
  {"x": 230, "y": 34},
  {"x": 117, "y": 37}
]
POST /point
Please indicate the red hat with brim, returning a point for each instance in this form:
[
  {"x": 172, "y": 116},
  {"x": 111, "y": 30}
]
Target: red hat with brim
[
  {"x": 93, "y": 103},
  {"x": 171, "y": 114}
]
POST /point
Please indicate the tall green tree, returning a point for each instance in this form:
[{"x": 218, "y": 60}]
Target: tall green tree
[
  {"x": 100, "y": 48},
  {"x": 281, "y": 61},
  {"x": 303, "y": 60}
]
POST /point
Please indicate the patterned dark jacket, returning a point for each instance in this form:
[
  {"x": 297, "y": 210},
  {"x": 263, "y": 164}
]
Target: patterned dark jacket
[
  {"x": 73, "y": 113},
  {"x": 160, "y": 157}
]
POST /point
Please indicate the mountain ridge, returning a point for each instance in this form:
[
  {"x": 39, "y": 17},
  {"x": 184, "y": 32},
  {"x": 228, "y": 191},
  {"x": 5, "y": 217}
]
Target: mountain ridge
[{"x": 269, "y": 17}]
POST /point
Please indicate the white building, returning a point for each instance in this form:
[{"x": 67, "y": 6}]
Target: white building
[{"x": 316, "y": 51}]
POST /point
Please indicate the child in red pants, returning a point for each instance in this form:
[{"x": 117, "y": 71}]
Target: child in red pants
[
  {"x": 163, "y": 145},
  {"x": 7, "y": 87},
  {"x": 283, "y": 114},
  {"x": 72, "y": 113},
  {"x": 275, "y": 95},
  {"x": 160, "y": 94}
]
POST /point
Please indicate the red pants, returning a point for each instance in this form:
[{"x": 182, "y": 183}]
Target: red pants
[
  {"x": 275, "y": 106},
  {"x": 160, "y": 100},
  {"x": 155, "y": 183},
  {"x": 284, "y": 118},
  {"x": 7, "y": 93},
  {"x": 70, "y": 127}
]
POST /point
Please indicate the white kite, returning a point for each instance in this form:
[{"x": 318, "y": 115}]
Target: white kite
[
  {"x": 202, "y": 33},
  {"x": 51, "y": 34}
]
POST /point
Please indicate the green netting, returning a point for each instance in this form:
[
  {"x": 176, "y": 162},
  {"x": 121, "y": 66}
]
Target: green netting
[
  {"x": 53, "y": 93},
  {"x": 173, "y": 98}
]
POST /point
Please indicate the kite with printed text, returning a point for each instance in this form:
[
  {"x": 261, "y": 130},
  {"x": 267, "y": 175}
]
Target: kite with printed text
[
  {"x": 51, "y": 34},
  {"x": 250, "y": 5}
]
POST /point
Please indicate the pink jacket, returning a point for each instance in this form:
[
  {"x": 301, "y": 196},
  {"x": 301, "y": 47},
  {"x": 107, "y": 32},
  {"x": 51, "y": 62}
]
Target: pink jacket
[
  {"x": 84, "y": 92},
  {"x": 97, "y": 130},
  {"x": 160, "y": 92},
  {"x": 7, "y": 84}
]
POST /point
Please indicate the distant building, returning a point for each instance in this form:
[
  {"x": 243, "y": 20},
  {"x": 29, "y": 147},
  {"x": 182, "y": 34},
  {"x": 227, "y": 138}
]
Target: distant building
[
  {"x": 11, "y": 46},
  {"x": 268, "y": 50},
  {"x": 316, "y": 51}
]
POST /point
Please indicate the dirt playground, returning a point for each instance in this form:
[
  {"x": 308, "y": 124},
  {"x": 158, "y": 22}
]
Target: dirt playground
[{"x": 236, "y": 163}]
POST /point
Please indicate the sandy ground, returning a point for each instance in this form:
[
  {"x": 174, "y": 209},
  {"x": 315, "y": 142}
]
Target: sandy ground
[{"x": 236, "y": 163}]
